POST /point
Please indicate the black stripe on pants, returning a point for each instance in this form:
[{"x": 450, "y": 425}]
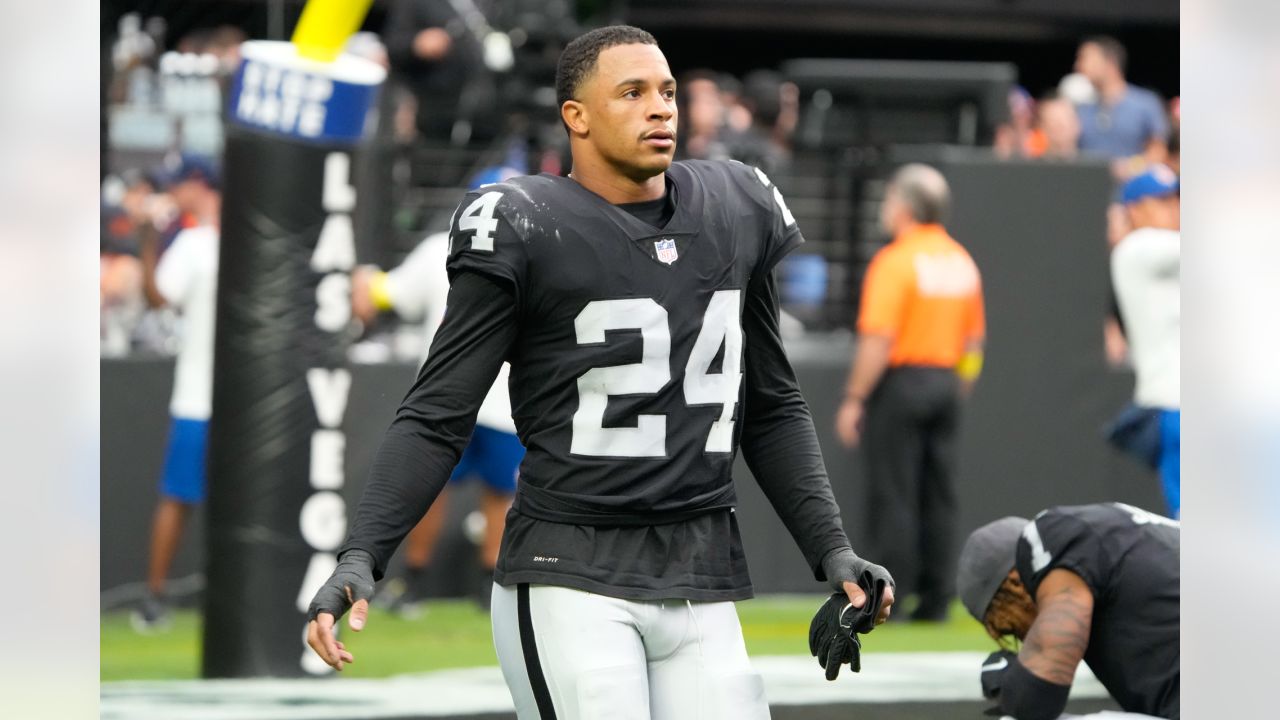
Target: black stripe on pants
[{"x": 529, "y": 645}]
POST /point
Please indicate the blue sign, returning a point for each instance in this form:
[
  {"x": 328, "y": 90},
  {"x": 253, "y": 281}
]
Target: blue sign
[{"x": 277, "y": 93}]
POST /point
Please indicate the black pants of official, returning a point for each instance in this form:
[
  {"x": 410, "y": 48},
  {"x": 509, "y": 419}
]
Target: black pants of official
[{"x": 909, "y": 444}]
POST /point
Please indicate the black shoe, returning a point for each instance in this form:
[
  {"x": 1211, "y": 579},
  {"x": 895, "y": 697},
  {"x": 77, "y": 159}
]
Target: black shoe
[{"x": 151, "y": 616}]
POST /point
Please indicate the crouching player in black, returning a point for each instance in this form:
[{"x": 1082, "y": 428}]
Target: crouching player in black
[{"x": 1098, "y": 583}]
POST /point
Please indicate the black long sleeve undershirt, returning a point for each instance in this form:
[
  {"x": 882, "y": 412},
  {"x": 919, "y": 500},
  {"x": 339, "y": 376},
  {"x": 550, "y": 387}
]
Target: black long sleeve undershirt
[
  {"x": 778, "y": 440},
  {"x": 436, "y": 418}
]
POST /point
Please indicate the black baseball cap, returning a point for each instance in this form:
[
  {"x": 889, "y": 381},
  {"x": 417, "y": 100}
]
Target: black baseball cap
[{"x": 988, "y": 556}]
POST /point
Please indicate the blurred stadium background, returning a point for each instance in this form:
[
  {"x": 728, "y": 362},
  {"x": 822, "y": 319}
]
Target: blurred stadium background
[{"x": 830, "y": 96}]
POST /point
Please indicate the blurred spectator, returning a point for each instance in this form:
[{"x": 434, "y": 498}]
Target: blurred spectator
[
  {"x": 1146, "y": 272},
  {"x": 771, "y": 105},
  {"x": 222, "y": 42},
  {"x": 1126, "y": 123},
  {"x": 735, "y": 99},
  {"x": 126, "y": 203},
  {"x": 921, "y": 330},
  {"x": 186, "y": 279},
  {"x": 133, "y": 58},
  {"x": 124, "y": 211},
  {"x": 437, "y": 48},
  {"x": 1059, "y": 126},
  {"x": 120, "y": 298},
  {"x": 1019, "y": 137},
  {"x": 702, "y": 117},
  {"x": 1115, "y": 344}
]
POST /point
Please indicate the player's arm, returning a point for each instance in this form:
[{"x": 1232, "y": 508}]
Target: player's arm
[
  {"x": 435, "y": 420},
  {"x": 884, "y": 300},
  {"x": 149, "y": 254},
  {"x": 870, "y": 360},
  {"x": 1056, "y": 643},
  {"x": 1037, "y": 683},
  {"x": 419, "y": 450},
  {"x": 437, "y": 416},
  {"x": 780, "y": 446}
]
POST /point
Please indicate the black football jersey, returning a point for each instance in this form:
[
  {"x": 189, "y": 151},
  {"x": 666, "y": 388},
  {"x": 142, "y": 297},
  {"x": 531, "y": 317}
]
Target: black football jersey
[
  {"x": 1129, "y": 559},
  {"x": 633, "y": 349},
  {"x": 626, "y": 381}
]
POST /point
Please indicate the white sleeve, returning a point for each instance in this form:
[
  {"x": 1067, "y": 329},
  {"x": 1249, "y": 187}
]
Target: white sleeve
[
  {"x": 174, "y": 270},
  {"x": 1146, "y": 255},
  {"x": 419, "y": 286},
  {"x": 1165, "y": 258}
]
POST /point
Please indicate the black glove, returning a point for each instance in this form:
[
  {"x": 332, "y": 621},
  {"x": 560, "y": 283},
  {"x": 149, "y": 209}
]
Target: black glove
[
  {"x": 352, "y": 580},
  {"x": 993, "y": 671},
  {"x": 844, "y": 565},
  {"x": 833, "y": 638}
]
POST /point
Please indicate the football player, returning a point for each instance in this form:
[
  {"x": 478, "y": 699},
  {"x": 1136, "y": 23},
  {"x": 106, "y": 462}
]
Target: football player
[
  {"x": 1098, "y": 583},
  {"x": 636, "y": 303}
]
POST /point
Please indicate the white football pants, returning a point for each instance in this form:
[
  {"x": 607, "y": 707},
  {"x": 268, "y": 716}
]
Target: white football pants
[{"x": 573, "y": 655}]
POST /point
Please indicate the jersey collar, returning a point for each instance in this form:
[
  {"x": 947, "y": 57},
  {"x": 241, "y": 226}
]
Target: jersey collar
[{"x": 685, "y": 220}]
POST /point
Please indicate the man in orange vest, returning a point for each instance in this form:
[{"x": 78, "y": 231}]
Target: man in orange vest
[{"x": 919, "y": 351}]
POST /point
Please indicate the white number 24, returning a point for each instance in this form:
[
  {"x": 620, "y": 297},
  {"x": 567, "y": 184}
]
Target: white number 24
[{"x": 648, "y": 438}]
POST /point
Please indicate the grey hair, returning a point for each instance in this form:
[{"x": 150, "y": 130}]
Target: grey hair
[{"x": 924, "y": 191}]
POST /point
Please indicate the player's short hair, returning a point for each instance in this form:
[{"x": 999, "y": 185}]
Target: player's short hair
[
  {"x": 579, "y": 57},
  {"x": 924, "y": 191},
  {"x": 1111, "y": 49}
]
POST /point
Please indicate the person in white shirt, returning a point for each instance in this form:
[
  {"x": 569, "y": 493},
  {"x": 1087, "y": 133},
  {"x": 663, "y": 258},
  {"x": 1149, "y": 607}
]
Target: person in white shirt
[
  {"x": 1146, "y": 270},
  {"x": 186, "y": 278},
  {"x": 416, "y": 290}
]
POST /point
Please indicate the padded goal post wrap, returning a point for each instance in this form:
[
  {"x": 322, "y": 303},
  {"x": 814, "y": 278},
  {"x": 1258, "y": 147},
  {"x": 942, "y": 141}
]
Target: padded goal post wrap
[{"x": 276, "y": 512}]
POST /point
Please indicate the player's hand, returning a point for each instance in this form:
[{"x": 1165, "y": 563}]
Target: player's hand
[
  {"x": 349, "y": 588},
  {"x": 849, "y": 419},
  {"x": 993, "y": 671},
  {"x": 868, "y": 586}
]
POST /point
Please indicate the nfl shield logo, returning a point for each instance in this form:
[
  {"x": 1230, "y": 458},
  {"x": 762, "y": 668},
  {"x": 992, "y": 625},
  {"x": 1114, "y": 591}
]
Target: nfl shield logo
[{"x": 666, "y": 250}]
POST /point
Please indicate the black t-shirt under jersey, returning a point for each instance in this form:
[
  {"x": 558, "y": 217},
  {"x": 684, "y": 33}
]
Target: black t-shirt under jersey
[
  {"x": 642, "y": 357},
  {"x": 1129, "y": 559}
]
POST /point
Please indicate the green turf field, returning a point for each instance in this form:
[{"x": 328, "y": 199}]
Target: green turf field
[{"x": 455, "y": 633}]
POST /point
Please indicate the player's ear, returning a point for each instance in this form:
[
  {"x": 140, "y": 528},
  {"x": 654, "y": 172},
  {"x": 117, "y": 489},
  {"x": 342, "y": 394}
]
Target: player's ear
[{"x": 574, "y": 115}]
